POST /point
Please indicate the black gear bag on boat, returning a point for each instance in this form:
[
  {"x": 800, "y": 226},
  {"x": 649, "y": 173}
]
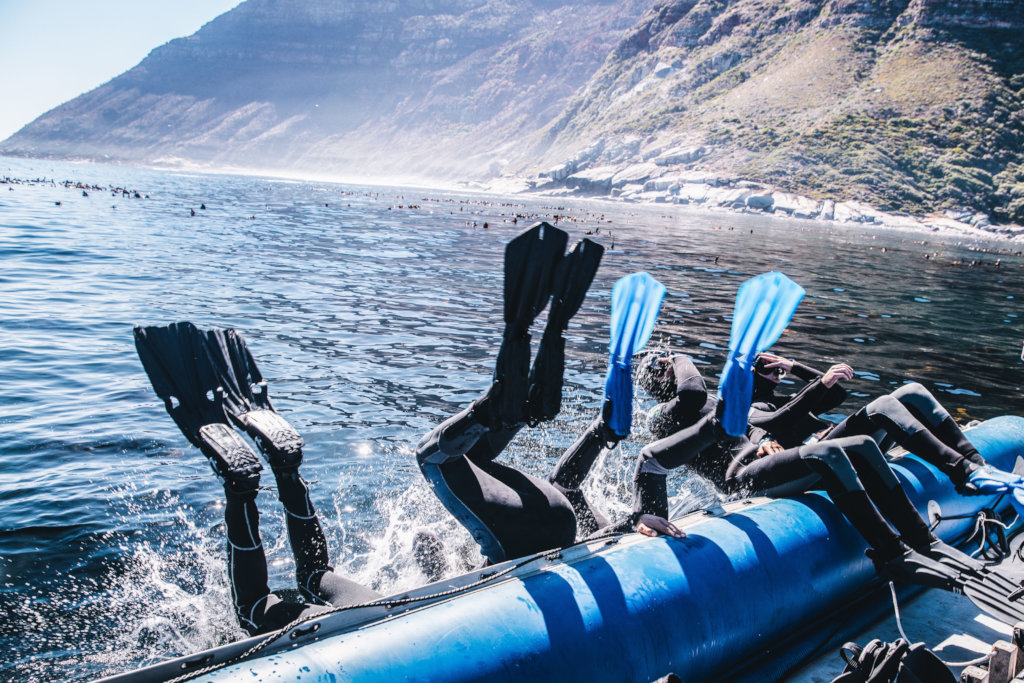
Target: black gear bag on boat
[{"x": 895, "y": 662}]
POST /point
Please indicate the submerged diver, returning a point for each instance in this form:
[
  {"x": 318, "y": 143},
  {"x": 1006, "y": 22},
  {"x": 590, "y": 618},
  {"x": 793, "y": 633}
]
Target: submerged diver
[
  {"x": 210, "y": 384},
  {"x": 851, "y": 469},
  {"x": 909, "y": 416},
  {"x": 510, "y": 513}
]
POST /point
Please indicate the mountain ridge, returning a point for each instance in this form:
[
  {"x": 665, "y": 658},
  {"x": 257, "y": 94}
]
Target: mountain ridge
[{"x": 910, "y": 106}]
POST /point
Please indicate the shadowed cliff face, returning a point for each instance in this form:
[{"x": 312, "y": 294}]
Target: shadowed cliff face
[
  {"x": 415, "y": 85},
  {"x": 911, "y": 105}
]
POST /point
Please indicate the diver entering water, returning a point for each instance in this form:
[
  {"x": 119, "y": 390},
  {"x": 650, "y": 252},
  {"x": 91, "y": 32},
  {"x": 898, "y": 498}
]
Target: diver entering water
[
  {"x": 510, "y": 513},
  {"x": 851, "y": 469},
  {"x": 210, "y": 384},
  {"x": 910, "y": 416}
]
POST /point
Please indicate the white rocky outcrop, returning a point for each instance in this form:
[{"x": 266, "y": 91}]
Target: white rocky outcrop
[
  {"x": 760, "y": 201},
  {"x": 637, "y": 173},
  {"x": 828, "y": 210},
  {"x": 559, "y": 172},
  {"x": 592, "y": 180},
  {"x": 651, "y": 182},
  {"x": 795, "y": 205},
  {"x": 681, "y": 155}
]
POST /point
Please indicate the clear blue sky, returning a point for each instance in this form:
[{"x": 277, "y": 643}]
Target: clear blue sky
[{"x": 54, "y": 50}]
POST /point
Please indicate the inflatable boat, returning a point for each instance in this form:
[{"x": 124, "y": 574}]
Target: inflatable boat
[{"x": 748, "y": 580}]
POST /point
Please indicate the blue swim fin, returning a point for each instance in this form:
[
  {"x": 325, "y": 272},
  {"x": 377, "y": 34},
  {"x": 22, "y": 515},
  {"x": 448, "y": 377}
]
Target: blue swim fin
[
  {"x": 636, "y": 300},
  {"x": 990, "y": 480},
  {"x": 764, "y": 306}
]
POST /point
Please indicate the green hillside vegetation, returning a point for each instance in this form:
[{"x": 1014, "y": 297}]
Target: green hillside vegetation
[{"x": 901, "y": 105}]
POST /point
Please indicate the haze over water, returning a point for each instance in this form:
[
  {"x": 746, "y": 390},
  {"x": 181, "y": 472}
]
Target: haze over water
[{"x": 374, "y": 313}]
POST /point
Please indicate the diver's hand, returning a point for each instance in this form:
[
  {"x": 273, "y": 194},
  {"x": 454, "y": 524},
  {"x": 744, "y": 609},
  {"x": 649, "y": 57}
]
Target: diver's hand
[
  {"x": 768, "y": 447},
  {"x": 773, "y": 361},
  {"x": 652, "y": 525},
  {"x": 836, "y": 373}
]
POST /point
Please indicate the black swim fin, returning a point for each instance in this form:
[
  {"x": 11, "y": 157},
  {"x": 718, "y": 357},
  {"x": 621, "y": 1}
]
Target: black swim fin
[
  {"x": 530, "y": 263},
  {"x": 994, "y": 601},
  {"x": 247, "y": 401},
  {"x": 916, "y": 568},
  {"x": 573, "y": 278},
  {"x": 183, "y": 374},
  {"x": 991, "y": 575},
  {"x": 913, "y": 567}
]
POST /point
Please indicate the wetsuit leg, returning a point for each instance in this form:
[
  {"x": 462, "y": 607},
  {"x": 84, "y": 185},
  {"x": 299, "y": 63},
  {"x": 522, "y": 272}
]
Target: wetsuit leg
[
  {"x": 650, "y": 488},
  {"x": 257, "y": 609},
  {"x": 317, "y": 580},
  {"x": 829, "y": 463},
  {"x": 926, "y": 408},
  {"x": 508, "y": 513},
  {"x": 574, "y": 466},
  {"x": 888, "y": 413},
  {"x": 885, "y": 491}
]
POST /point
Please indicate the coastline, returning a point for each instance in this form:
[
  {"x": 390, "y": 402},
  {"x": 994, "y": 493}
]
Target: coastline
[
  {"x": 714, "y": 193},
  {"x": 635, "y": 184},
  {"x": 710, "y": 191}
]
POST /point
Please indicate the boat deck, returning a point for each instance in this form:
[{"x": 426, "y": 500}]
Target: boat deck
[{"x": 950, "y": 625}]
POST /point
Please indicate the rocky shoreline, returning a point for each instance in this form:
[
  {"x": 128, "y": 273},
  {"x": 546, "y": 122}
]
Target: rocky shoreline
[{"x": 670, "y": 178}]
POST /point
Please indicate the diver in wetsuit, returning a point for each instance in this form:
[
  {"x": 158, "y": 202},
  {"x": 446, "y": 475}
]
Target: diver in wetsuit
[
  {"x": 510, "y": 513},
  {"x": 852, "y": 470},
  {"x": 910, "y": 416},
  {"x": 792, "y": 419},
  {"x": 210, "y": 384}
]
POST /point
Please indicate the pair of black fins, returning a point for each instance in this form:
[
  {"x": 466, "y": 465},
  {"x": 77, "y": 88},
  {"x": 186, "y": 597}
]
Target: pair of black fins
[
  {"x": 210, "y": 383},
  {"x": 992, "y": 589},
  {"x": 537, "y": 270}
]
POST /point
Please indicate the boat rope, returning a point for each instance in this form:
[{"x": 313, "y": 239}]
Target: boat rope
[
  {"x": 984, "y": 519},
  {"x": 903, "y": 634},
  {"x": 896, "y": 609},
  {"x": 486, "y": 577}
]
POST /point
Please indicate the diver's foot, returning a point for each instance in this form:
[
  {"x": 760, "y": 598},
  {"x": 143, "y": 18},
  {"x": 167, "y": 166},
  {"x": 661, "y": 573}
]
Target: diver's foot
[
  {"x": 279, "y": 442},
  {"x": 506, "y": 400},
  {"x": 913, "y": 567},
  {"x": 428, "y": 550},
  {"x": 233, "y": 461}
]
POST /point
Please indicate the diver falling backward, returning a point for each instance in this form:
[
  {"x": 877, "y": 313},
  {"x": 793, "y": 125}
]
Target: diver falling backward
[
  {"x": 851, "y": 469},
  {"x": 510, "y": 513},
  {"x": 909, "y": 416},
  {"x": 210, "y": 385}
]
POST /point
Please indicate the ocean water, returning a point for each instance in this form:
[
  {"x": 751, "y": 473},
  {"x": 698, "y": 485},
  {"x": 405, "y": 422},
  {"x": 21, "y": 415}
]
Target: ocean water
[{"x": 374, "y": 313}]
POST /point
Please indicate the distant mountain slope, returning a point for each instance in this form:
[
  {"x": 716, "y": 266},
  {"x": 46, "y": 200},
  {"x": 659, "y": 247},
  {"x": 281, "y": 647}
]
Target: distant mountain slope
[
  {"x": 418, "y": 86},
  {"x": 909, "y": 105}
]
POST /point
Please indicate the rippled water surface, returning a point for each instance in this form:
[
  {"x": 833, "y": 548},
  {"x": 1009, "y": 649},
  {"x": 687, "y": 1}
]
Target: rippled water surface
[{"x": 374, "y": 313}]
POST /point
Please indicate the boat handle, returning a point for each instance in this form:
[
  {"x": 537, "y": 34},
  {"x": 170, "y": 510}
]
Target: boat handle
[
  {"x": 202, "y": 660},
  {"x": 303, "y": 631}
]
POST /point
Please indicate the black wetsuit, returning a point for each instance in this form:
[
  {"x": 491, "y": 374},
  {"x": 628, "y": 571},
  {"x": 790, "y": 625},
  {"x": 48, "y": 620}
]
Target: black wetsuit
[
  {"x": 909, "y": 416},
  {"x": 510, "y": 513},
  {"x": 851, "y": 470},
  {"x": 794, "y": 418},
  {"x": 913, "y": 418},
  {"x": 258, "y": 610}
]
